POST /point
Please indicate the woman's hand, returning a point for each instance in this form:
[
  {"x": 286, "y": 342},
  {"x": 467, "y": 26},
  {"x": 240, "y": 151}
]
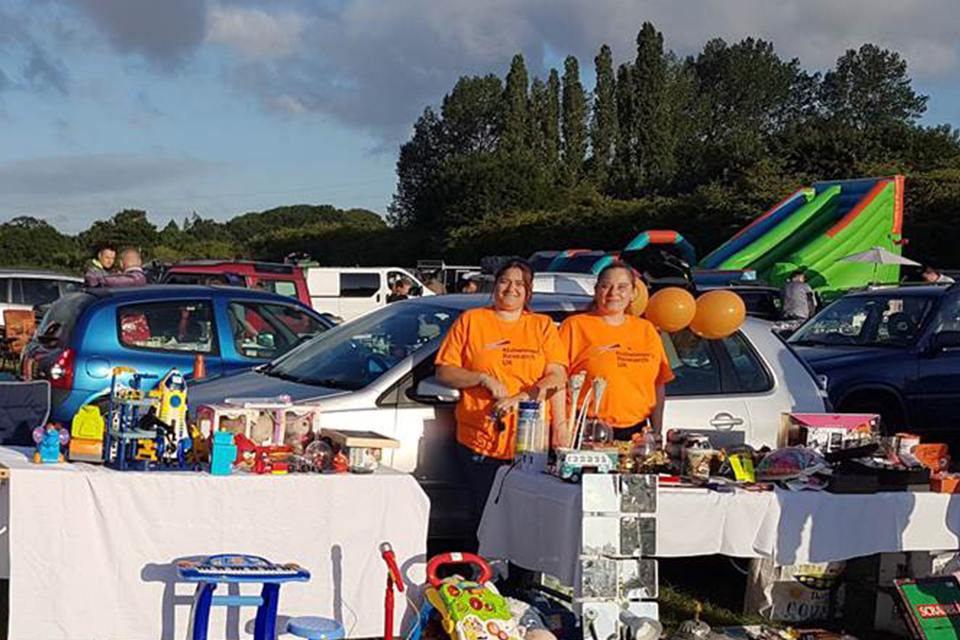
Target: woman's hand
[
  {"x": 504, "y": 406},
  {"x": 496, "y": 388}
]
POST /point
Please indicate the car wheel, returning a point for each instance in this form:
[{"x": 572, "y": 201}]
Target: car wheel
[{"x": 888, "y": 408}]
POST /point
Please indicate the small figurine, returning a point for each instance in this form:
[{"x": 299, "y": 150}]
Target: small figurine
[{"x": 49, "y": 441}]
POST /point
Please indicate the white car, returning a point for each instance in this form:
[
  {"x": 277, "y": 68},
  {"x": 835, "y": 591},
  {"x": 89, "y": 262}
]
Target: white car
[
  {"x": 376, "y": 373},
  {"x": 24, "y": 289},
  {"x": 349, "y": 292}
]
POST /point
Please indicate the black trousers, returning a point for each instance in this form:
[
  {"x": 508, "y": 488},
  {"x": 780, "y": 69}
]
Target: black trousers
[{"x": 478, "y": 473}]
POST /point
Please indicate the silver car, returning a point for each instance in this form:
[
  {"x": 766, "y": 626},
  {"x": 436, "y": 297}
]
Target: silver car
[{"x": 376, "y": 373}]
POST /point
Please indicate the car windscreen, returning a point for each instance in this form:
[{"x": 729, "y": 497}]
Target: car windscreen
[
  {"x": 878, "y": 321},
  {"x": 357, "y": 353}
]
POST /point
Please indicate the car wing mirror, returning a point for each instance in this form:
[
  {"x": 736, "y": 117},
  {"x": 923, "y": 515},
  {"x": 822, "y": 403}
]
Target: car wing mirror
[{"x": 431, "y": 391}]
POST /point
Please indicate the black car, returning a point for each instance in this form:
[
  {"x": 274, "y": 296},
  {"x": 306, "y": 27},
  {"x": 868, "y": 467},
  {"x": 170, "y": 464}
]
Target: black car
[{"x": 895, "y": 352}]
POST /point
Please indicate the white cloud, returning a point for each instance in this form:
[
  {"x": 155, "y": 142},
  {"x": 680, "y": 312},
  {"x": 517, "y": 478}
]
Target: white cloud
[{"x": 254, "y": 32}]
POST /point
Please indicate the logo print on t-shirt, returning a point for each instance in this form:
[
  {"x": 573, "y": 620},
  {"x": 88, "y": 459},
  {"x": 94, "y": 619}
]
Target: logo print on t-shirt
[{"x": 491, "y": 346}]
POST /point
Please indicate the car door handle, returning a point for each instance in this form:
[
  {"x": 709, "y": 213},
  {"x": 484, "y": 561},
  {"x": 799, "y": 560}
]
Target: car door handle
[{"x": 724, "y": 420}]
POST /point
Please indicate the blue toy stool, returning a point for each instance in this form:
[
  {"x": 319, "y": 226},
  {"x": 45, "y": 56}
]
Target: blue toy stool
[{"x": 315, "y": 628}]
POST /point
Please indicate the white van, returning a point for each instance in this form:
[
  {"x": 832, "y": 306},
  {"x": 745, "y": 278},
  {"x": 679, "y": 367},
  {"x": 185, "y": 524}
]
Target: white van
[{"x": 348, "y": 292}]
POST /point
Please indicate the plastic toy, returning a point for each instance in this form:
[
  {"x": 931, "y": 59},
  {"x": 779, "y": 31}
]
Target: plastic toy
[
  {"x": 262, "y": 458},
  {"x": 468, "y": 610},
  {"x": 237, "y": 568},
  {"x": 571, "y": 464},
  {"x": 363, "y": 449},
  {"x": 265, "y": 421},
  {"x": 224, "y": 453},
  {"x": 172, "y": 394},
  {"x": 393, "y": 579},
  {"x": 49, "y": 441},
  {"x": 86, "y": 435}
]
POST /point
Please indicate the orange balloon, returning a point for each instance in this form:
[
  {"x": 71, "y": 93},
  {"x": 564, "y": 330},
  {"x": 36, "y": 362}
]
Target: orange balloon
[
  {"x": 639, "y": 304},
  {"x": 671, "y": 309},
  {"x": 719, "y": 314}
]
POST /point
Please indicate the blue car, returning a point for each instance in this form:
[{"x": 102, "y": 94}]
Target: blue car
[
  {"x": 894, "y": 352},
  {"x": 152, "y": 329}
]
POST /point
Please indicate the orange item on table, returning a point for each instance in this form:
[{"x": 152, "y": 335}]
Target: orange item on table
[{"x": 934, "y": 456}]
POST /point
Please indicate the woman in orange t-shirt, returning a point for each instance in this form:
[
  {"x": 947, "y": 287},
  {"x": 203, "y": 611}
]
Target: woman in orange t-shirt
[
  {"x": 607, "y": 342},
  {"x": 498, "y": 356}
]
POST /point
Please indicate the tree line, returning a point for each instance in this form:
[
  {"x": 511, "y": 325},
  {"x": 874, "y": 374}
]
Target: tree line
[{"x": 701, "y": 144}]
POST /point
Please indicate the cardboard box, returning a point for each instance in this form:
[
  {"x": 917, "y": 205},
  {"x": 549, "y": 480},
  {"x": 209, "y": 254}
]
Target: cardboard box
[
  {"x": 828, "y": 432},
  {"x": 934, "y": 456}
]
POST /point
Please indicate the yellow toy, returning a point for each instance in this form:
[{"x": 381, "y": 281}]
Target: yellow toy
[
  {"x": 146, "y": 450},
  {"x": 86, "y": 435},
  {"x": 171, "y": 394}
]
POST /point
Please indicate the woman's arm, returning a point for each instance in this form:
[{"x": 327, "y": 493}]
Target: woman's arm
[
  {"x": 460, "y": 378},
  {"x": 656, "y": 418},
  {"x": 554, "y": 378}
]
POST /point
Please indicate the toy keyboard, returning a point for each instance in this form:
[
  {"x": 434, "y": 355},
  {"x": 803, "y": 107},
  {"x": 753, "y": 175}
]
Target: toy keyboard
[{"x": 232, "y": 567}]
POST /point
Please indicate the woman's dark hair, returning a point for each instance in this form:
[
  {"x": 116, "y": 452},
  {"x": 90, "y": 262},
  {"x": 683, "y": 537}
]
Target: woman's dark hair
[
  {"x": 618, "y": 264},
  {"x": 525, "y": 269}
]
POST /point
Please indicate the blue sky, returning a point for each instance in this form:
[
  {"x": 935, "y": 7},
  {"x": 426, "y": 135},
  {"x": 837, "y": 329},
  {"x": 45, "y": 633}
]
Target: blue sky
[{"x": 224, "y": 107}]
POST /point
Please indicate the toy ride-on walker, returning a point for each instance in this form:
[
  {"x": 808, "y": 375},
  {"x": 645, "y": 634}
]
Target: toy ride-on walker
[{"x": 469, "y": 610}]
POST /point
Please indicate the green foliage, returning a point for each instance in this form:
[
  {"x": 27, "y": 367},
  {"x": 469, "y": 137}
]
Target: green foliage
[
  {"x": 574, "y": 121},
  {"x": 654, "y": 142},
  {"x": 516, "y": 120},
  {"x": 28, "y": 242},
  {"x": 551, "y": 123},
  {"x": 603, "y": 126},
  {"x": 870, "y": 87}
]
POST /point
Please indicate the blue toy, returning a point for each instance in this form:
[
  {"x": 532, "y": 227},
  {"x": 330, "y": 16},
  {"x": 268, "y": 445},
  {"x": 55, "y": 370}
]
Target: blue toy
[
  {"x": 224, "y": 453},
  {"x": 238, "y": 568},
  {"x": 50, "y": 440}
]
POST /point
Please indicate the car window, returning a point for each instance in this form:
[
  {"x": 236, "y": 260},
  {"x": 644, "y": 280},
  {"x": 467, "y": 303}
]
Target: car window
[
  {"x": 867, "y": 320},
  {"x": 4, "y": 289},
  {"x": 58, "y": 323},
  {"x": 265, "y": 331},
  {"x": 357, "y": 353},
  {"x": 69, "y": 286},
  {"x": 749, "y": 373},
  {"x": 948, "y": 317},
  {"x": 196, "y": 278},
  {"x": 181, "y": 325},
  {"x": 279, "y": 287},
  {"x": 694, "y": 366},
  {"x": 34, "y": 291},
  {"x": 359, "y": 285}
]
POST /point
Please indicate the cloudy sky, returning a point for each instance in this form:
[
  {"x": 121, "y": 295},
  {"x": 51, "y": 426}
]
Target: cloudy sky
[{"x": 228, "y": 106}]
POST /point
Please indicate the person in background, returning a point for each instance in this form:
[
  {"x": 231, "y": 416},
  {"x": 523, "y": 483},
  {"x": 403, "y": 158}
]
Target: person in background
[
  {"x": 933, "y": 276},
  {"x": 400, "y": 289},
  {"x": 469, "y": 285},
  {"x": 131, "y": 276},
  {"x": 608, "y": 342},
  {"x": 799, "y": 300},
  {"x": 101, "y": 266},
  {"x": 498, "y": 356},
  {"x": 434, "y": 284}
]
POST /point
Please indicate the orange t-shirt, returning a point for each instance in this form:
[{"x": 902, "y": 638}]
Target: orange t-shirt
[
  {"x": 515, "y": 353},
  {"x": 630, "y": 357}
]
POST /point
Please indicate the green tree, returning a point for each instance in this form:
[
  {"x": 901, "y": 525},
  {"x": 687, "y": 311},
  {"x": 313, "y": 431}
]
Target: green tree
[
  {"x": 473, "y": 115},
  {"x": 538, "y": 115},
  {"x": 127, "y": 228},
  {"x": 655, "y": 144},
  {"x": 625, "y": 176},
  {"x": 27, "y": 241},
  {"x": 870, "y": 87},
  {"x": 516, "y": 119},
  {"x": 603, "y": 126},
  {"x": 574, "y": 121},
  {"x": 418, "y": 165},
  {"x": 551, "y": 123}
]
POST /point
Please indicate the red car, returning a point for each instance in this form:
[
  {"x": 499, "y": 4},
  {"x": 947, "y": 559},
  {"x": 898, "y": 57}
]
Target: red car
[{"x": 283, "y": 279}]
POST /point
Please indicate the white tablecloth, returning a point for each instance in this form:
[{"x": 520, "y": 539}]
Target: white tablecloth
[
  {"x": 89, "y": 550},
  {"x": 534, "y": 520}
]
